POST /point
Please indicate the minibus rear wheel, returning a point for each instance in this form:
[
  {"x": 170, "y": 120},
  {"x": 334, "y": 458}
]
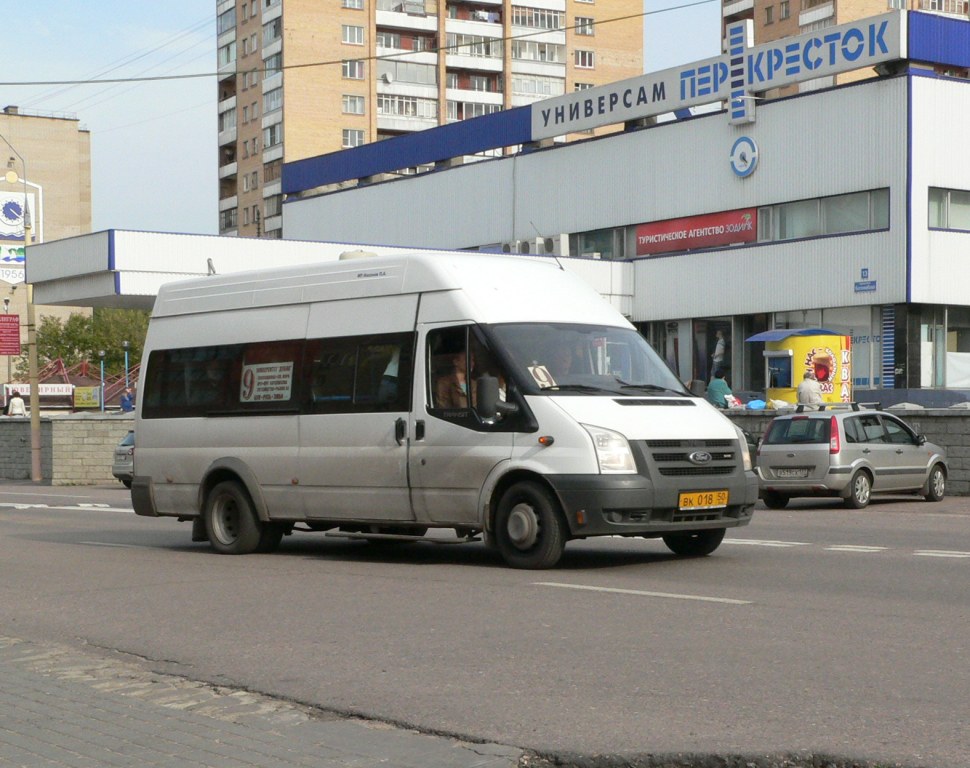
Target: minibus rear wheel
[
  {"x": 232, "y": 524},
  {"x": 529, "y": 529}
]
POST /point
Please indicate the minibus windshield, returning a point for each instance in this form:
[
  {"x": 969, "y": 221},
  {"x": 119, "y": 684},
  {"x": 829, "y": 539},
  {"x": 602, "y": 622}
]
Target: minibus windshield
[{"x": 556, "y": 358}]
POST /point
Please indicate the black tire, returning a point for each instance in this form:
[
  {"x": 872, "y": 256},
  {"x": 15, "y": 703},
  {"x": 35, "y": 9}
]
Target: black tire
[
  {"x": 232, "y": 524},
  {"x": 860, "y": 490},
  {"x": 936, "y": 484},
  {"x": 694, "y": 543},
  {"x": 774, "y": 500},
  {"x": 530, "y": 532}
]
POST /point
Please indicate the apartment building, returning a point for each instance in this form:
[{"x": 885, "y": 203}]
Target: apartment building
[
  {"x": 777, "y": 19},
  {"x": 45, "y": 167},
  {"x": 303, "y": 78}
]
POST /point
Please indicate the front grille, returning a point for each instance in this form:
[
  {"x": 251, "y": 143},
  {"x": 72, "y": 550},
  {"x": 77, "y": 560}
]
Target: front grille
[{"x": 671, "y": 458}]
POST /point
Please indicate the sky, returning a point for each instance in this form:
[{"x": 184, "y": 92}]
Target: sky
[{"x": 154, "y": 162}]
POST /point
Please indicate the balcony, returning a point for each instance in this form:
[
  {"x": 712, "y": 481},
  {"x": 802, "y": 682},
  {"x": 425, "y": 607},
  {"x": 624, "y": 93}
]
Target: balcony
[
  {"x": 228, "y": 170},
  {"x": 738, "y": 9},
  {"x": 401, "y": 20}
]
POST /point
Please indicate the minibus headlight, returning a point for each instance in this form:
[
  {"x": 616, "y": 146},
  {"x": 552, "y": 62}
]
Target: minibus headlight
[
  {"x": 745, "y": 448},
  {"x": 612, "y": 450}
]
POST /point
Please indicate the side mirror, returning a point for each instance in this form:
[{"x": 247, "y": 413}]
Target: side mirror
[
  {"x": 920, "y": 439},
  {"x": 488, "y": 403}
]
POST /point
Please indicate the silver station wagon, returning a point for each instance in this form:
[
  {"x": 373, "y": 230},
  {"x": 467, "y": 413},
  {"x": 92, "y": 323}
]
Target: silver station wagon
[{"x": 849, "y": 452}]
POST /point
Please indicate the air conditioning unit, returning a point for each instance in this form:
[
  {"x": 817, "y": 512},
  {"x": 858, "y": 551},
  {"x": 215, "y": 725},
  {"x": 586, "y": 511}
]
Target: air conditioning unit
[{"x": 557, "y": 244}]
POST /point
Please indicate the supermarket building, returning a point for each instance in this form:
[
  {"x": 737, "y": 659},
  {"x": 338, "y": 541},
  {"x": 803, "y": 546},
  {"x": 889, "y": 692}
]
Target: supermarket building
[{"x": 845, "y": 208}]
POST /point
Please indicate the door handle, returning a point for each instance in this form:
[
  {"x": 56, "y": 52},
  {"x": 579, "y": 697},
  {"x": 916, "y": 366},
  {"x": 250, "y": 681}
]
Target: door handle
[
  {"x": 400, "y": 431},
  {"x": 419, "y": 430}
]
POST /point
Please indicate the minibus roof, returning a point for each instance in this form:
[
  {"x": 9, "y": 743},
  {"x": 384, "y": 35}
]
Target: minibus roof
[{"x": 499, "y": 288}]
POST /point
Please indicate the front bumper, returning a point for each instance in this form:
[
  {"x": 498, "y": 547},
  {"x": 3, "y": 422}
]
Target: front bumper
[{"x": 631, "y": 505}]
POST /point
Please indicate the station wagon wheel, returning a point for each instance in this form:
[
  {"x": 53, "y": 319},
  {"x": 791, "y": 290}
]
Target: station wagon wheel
[
  {"x": 775, "y": 500},
  {"x": 694, "y": 543},
  {"x": 860, "y": 490},
  {"x": 232, "y": 524},
  {"x": 936, "y": 484},
  {"x": 529, "y": 530}
]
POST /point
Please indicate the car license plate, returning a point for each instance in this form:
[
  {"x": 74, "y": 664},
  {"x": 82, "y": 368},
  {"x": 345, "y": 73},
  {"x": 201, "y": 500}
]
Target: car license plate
[
  {"x": 796, "y": 472},
  {"x": 703, "y": 500}
]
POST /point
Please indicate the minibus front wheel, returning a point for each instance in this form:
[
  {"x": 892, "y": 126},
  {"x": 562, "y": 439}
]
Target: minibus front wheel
[
  {"x": 529, "y": 529},
  {"x": 234, "y": 528}
]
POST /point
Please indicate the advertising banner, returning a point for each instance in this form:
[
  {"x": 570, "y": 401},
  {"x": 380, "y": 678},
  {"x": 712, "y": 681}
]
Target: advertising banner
[
  {"x": 828, "y": 357},
  {"x": 711, "y": 230},
  {"x": 10, "y": 335}
]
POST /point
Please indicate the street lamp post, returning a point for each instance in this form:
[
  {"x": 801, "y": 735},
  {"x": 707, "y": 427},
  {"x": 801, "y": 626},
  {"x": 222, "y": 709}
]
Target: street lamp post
[
  {"x": 32, "y": 368},
  {"x": 125, "y": 345},
  {"x": 101, "y": 355}
]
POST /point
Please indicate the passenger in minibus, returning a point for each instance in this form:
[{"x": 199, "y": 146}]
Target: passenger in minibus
[{"x": 451, "y": 387}]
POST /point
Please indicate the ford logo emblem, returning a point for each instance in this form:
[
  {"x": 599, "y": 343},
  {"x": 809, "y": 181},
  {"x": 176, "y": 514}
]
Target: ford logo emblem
[{"x": 699, "y": 457}]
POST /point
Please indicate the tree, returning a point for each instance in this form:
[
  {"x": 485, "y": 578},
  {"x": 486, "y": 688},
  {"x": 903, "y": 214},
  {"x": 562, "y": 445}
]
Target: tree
[{"x": 80, "y": 338}]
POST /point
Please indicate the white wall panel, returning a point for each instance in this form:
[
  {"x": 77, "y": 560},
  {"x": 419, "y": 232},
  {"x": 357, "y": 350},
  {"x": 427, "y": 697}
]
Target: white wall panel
[
  {"x": 941, "y": 120},
  {"x": 845, "y": 140}
]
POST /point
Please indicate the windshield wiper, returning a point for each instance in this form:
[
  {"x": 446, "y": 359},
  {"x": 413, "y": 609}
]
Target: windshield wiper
[
  {"x": 651, "y": 388},
  {"x": 574, "y": 388}
]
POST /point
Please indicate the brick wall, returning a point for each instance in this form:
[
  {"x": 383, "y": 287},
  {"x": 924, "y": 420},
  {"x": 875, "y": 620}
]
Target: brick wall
[{"x": 75, "y": 450}]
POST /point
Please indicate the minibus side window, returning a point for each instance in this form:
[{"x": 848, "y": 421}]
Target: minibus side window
[
  {"x": 457, "y": 358},
  {"x": 359, "y": 374}
]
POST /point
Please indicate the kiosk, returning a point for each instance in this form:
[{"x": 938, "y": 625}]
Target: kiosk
[{"x": 790, "y": 352}]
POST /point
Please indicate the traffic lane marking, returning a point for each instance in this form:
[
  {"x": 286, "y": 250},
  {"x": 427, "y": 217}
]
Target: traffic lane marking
[
  {"x": 941, "y": 553},
  {"x": 860, "y": 548},
  {"x": 643, "y": 593}
]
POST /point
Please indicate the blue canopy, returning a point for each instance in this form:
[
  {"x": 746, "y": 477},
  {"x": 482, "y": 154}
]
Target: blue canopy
[{"x": 784, "y": 333}]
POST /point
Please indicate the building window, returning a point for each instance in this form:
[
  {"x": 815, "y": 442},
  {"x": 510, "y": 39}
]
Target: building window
[
  {"x": 272, "y": 100},
  {"x": 839, "y": 214},
  {"x": 769, "y": 15},
  {"x": 537, "y": 18},
  {"x": 353, "y": 69},
  {"x": 784, "y": 10},
  {"x": 226, "y": 21},
  {"x": 352, "y": 138},
  {"x": 227, "y": 120},
  {"x": 949, "y": 209},
  {"x": 272, "y": 136},
  {"x": 582, "y": 86},
  {"x": 272, "y": 30},
  {"x": 353, "y": 105},
  {"x": 272, "y": 64},
  {"x": 406, "y": 106},
  {"x": 388, "y": 40},
  {"x": 355, "y": 4},
  {"x": 352, "y": 35},
  {"x": 584, "y": 25},
  {"x": 227, "y": 219},
  {"x": 407, "y": 72},
  {"x": 529, "y": 50},
  {"x": 585, "y": 59},
  {"x": 227, "y": 54},
  {"x": 473, "y": 45},
  {"x": 537, "y": 85}
]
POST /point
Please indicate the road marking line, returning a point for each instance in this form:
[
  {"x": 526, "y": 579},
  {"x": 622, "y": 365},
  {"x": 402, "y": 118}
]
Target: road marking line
[
  {"x": 767, "y": 543},
  {"x": 642, "y": 593},
  {"x": 109, "y": 544},
  {"x": 939, "y": 553},
  {"x": 855, "y": 548}
]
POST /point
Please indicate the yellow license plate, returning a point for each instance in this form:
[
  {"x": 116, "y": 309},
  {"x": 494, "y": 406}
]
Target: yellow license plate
[{"x": 703, "y": 500}]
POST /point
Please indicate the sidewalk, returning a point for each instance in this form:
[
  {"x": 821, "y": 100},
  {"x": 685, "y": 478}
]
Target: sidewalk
[{"x": 63, "y": 706}]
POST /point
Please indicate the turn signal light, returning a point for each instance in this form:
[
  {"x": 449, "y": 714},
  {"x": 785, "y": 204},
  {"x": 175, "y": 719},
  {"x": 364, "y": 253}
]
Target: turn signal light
[{"x": 547, "y": 440}]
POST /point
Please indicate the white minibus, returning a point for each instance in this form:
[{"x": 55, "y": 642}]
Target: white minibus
[{"x": 382, "y": 397}]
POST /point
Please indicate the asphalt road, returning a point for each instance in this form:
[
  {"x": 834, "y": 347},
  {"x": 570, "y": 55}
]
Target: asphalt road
[{"x": 814, "y": 629}]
